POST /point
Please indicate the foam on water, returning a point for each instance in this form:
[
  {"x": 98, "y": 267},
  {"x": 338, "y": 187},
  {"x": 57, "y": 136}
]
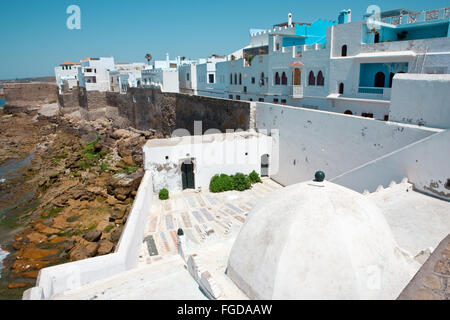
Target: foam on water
[{"x": 3, "y": 255}]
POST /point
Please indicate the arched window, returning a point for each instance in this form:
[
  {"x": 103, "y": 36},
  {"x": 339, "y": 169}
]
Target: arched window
[
  {"x": 277, "y": 78},
  {"x": 235, "y": 78},
  {"x": 320, "y": 79},
  {"x": 297, "y": 77},
  {"x": 341, "y": 88},
  {"x": 379, "y": 80},
  {"x": 261, "y": 80},
  {"x": 231, "y": 78},
  {"x": 348, "y": 112},
  {"x": 284, "y": 79},
  {"x": 240, "y": 78},
  {"x": 344, "y": 51},
  {"x": 311, "y": 79}
]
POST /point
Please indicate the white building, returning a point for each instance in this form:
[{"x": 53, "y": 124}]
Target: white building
[
  {"x": 66, "y": 75},
  {"x": 94, "y": 73},
  {"x": 339, "y": 66}
]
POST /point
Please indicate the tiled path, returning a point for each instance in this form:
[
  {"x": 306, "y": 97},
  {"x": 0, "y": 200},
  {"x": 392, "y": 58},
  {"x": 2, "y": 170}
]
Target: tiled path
[{"x": 202, "y": 216}]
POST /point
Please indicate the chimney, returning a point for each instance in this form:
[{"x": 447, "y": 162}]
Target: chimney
[
  {"x": 167, "y": 56},
  {"x": 290, "y": 19}
]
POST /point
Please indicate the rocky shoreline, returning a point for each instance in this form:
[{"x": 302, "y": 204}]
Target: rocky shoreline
[{"x": 72, "y": 197}]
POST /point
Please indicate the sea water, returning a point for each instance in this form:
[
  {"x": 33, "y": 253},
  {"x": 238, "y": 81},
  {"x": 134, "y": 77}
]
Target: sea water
[
  {"x": 3, "y": 255},
  {"x": 2, "y": 102}
]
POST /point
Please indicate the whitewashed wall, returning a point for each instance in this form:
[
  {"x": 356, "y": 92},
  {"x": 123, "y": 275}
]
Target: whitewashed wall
[
  {"x": 311, "y": 140},
  {"x": 424, "y": 163},
  {"x": 421, "y": 99},
  {"x": 209, "y": 158}
]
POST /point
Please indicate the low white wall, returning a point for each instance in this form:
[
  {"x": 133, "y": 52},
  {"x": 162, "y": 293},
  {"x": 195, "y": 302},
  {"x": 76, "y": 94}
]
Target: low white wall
[
  {"x": 424, "y": 163},
  {"x": 60, "y": 278},
  {"x": 311, "y": 140},
  {"x": 421, "y": 99}
]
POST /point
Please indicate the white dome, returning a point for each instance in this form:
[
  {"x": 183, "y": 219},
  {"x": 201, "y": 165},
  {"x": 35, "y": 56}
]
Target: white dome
[{"x": 318, "y": 241}]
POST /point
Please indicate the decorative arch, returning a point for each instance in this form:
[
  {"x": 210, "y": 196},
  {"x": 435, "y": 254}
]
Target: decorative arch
[
  {"x": 277, "y": 78},
  {"x": 380, "y": 79},
  {"x": 311, "y": 79},
  {"x": 320, "y": 79},
  {"x": 344, "y": 51},
  {"x": 284, "y": 80}
]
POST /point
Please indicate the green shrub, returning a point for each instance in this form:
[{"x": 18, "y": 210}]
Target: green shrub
[
  {"x": 164, "y": 194},
  {"x": 254, "y": 177},
  {"x": 241, "y": 182},
  {"x": 221, "y": 183}
]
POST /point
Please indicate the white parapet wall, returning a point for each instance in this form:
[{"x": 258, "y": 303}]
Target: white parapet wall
[
  {"x": 312, "y": 140},
  {"x": 61, "y": 278},
  {"x": 421, "y": 99},
  {"x": 424, "y": 162}
]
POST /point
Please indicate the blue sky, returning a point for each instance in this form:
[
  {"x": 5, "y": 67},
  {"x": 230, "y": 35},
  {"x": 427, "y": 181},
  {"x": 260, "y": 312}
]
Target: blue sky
[{"x": 34, "y": 36}]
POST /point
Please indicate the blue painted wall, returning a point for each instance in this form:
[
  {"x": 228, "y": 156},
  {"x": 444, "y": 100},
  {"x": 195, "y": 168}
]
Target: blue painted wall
[
  {"x": 316, "y": 32},
  {"x": 369, "y": 70},
  {"x": 413, "y": 32}
]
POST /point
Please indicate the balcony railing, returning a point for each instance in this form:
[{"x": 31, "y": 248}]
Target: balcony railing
[
  {"x": 374, "y": 93},
  {"x": 297, "y": 92},
  {"x": 430, "y": 15}
]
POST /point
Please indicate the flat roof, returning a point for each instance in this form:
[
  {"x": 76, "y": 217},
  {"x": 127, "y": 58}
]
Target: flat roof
[{"x": 206, "y": 138}]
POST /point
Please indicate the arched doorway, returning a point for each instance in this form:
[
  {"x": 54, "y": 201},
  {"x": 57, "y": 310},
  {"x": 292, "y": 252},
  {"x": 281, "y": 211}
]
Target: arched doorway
[
  {"x": 265, "y": 165},
  {"x": 344, "y": 51},
  {"x": 297, "y": 77},
  {"x": 341, "y": 88},
  {"x": 348, "y": 112},
  {"x": 187, "y": 175},
  {"x": 379, "y": 80}
]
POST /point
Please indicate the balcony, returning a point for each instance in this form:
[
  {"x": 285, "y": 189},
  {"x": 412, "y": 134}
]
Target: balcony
[
  {"x": 297, "y": 92},
  {"x": 424, "y": 16},
  {"x": 374, "y": 93}
]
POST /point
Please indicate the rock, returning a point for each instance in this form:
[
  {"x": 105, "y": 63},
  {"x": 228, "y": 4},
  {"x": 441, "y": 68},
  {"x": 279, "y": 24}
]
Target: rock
[
  {"x": 118, "y": 213},
  {"x": 121, "y": 185},
  {"x": 92, "y": 249},
  {"x": 121, "y": 134},
  {"x": 105, "y": 247},
  {"x": 36, "y": 253},
  {"x": 93, "y": 236},
  {"x": 69, "y": 244},
  {"x": 115, "y": 235},
  {"x": 79, "y": 252},
  {"x": 16, "y": 285}
]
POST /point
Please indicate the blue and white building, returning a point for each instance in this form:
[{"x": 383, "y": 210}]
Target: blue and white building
[{"x": 339, "y": 66}]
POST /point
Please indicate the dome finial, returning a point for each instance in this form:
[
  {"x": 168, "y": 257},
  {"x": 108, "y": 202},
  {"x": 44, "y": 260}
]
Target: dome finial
[{"x": 319, "y": 176}]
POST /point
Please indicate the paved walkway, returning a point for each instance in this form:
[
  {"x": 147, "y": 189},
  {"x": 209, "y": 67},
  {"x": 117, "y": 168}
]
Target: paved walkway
[
  {"x": 210, "y": 222},
  {"x": 204, "y": 217}
]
